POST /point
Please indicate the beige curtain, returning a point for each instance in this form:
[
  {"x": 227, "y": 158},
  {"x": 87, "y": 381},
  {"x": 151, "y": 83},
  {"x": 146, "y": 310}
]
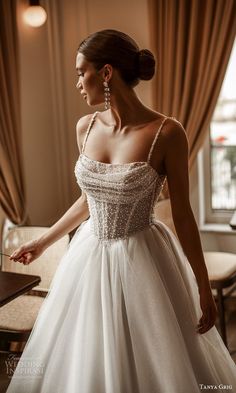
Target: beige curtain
[
  {"x": 12, "y": 193},
  {"x": 192, "y": 41}
]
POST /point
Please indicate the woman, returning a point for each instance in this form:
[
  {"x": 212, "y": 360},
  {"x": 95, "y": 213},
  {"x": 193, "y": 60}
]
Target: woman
[{"x": 130, "y": 308}]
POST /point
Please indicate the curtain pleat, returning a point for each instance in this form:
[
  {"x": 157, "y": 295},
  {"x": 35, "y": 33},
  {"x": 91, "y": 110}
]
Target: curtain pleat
[
  {"x": 192, "y": 41},
  {"x": 12, "y": 190}
]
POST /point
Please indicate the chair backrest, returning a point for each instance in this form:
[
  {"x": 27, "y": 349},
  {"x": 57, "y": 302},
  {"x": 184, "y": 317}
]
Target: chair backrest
[{"x": 44, "y": 266}]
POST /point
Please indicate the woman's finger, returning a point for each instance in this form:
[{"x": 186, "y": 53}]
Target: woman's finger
[
  {"x": 28, "y": 258},
  {"x": 19, "y": 252},
  {"x": 206, "y": 323},
  {"x": 21, "y": 259},
  {"x": 203, "y": 321},
  {"x": 16, "y": 254},
  {"x": 206, "y": 328}
]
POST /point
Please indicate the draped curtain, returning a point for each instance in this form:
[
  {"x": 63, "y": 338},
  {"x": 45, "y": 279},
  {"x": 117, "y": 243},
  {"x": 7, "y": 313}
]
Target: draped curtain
[
  {"x": 12, "y": 191},
  {"x": 192, "y": 41}
]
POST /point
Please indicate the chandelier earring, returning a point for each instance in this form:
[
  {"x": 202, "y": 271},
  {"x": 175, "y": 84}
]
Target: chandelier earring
[{"x": 107, "y": 95}]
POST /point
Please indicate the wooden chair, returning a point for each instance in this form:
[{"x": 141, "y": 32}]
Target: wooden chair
[
  {"x": 18, "y": 316},
  {"x": 221, "y": 267}
]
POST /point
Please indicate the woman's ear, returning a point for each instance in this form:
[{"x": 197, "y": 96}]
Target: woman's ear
[{"x": 107, "y": 72}]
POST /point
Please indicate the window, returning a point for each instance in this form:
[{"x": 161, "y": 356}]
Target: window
[{"x": 219, "y": 152}]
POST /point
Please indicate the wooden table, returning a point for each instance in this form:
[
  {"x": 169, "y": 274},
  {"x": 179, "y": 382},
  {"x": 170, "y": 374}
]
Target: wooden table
[{"x": 13, "y": 285}]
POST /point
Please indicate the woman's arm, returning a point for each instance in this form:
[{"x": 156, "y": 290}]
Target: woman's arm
[
  {"x": 176, "y": 164},
  {"x": 79, "y": 211},
  {"x": 73, "y": 217}
]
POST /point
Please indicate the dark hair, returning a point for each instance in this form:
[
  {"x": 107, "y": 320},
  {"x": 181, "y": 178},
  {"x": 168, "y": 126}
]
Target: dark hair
[{"x": 121, "y": 51}]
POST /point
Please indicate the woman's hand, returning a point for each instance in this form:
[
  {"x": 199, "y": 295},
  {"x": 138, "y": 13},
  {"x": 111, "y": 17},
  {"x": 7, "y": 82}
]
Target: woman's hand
[
  {"x": 209, "y": 311},
  {"x": 28, "y": 252}
]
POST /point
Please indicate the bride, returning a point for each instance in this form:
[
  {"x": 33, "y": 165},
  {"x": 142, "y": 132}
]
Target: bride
[{"x": 130, "y": 308}]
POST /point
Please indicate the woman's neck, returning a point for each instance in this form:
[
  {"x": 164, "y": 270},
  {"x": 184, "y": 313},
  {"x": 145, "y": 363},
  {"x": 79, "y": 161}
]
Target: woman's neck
[{"x": 127, "y": 109}]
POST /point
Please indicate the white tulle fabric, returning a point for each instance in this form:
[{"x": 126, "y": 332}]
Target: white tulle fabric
[{"x": 123, "y": 306}]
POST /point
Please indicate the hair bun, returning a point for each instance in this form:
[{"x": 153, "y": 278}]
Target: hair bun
[{"x": 146, "y": 64}]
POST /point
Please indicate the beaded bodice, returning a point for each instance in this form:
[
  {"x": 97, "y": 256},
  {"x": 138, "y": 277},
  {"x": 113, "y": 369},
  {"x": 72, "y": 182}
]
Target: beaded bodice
[{"x": 120, "y": 197}]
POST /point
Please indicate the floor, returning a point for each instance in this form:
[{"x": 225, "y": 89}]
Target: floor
[{"x": 6, "y": 371}]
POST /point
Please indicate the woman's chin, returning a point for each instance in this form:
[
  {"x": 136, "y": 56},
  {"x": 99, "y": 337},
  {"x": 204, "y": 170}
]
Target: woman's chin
[
  {"x": 89, "y": 101},
  {"x": 93, "y": 102}
]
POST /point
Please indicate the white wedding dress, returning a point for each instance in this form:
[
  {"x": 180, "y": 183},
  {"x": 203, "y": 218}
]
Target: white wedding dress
[{"x": 123, "y": 306}]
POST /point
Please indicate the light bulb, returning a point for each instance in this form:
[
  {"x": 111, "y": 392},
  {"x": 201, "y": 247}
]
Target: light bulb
[{"x": 35, "y": 16}]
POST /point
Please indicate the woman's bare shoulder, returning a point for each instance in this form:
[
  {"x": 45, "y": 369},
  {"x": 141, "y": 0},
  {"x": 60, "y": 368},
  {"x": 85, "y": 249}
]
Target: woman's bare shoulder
[
  {"x": 174, "y": 131},
  {"x": 81, "y": 129},
  {"x": 83, "y": 123},
  {"x": 175, "y": 142}
]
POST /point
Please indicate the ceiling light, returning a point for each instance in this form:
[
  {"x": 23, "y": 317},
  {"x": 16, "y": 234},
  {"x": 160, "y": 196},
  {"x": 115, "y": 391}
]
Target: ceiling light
[{"x": 35, "y": 15}]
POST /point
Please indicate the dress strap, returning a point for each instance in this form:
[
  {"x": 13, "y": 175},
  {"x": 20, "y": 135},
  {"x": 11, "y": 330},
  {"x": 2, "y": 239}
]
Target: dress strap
[
  {"x": 155, "y": 139},
  {"x": 88, "y": 130}
]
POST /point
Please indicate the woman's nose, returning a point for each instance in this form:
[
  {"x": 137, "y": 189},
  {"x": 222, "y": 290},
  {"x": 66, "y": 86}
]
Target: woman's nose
[{"x": 78, "y": 85}]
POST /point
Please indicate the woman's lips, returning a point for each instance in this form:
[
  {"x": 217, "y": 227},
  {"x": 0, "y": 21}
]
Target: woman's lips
[{"x": 84, "y": 95}]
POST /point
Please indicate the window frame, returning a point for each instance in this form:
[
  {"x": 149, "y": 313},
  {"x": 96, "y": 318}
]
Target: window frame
[{"x": 207, "y": 214}]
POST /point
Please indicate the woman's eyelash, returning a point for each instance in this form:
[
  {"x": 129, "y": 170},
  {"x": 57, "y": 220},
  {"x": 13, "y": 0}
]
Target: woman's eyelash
[{"x": 81, "y": 74}]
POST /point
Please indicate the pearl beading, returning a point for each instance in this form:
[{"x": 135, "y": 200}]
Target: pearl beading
[{"x": 120, "y": 197}]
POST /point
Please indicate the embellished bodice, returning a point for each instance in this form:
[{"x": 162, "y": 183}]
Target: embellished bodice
[{"x": 120, "y": 197}]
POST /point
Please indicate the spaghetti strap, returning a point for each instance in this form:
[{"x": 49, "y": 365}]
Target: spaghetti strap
[
  {"x": 155, "y": 139},
  {"x": 88, "y": 130}
]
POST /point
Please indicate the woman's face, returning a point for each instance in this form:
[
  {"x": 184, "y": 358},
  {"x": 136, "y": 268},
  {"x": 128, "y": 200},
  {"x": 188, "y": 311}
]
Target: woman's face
[{"x": 90, "y": 82}]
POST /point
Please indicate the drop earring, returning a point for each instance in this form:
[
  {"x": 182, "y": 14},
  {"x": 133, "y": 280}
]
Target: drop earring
[{"x": 107, "y": 95}]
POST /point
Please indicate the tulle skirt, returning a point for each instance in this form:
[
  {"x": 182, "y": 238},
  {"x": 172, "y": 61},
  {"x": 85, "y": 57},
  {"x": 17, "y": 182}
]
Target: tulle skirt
[{"x": 121, "y": 317}]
